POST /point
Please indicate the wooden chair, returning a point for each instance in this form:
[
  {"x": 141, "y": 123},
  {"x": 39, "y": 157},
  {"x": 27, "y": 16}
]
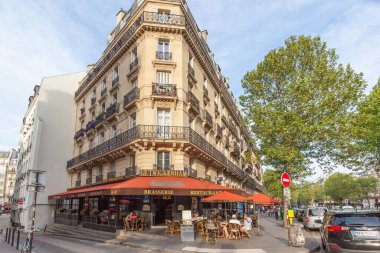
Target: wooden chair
[
  {"x": 142, "y": 225},
  {"x": 176, "y": 227},
  {"x": 221, "y": 233},
  {"x": 169, "y": 227},
  {"x": 134, "y": 225},
  {"x": 201, "y": 228},
  {"x": 126, "y": 224},
  {"x": 211, "y": 232},
  {"x": 234, "y": 230}
]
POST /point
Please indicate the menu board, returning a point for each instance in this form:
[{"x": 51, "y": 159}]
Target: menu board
[{"x": 186, "y": 215}]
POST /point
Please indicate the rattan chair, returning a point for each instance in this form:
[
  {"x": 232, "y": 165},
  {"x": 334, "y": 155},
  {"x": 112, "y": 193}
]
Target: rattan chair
[{"x": 234, "y": 231}]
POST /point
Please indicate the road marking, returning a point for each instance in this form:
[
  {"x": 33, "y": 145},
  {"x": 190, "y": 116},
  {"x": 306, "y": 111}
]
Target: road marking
[{"x": 208, "y": 250}]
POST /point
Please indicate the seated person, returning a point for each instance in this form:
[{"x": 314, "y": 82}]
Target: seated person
[
  {"x": 232, "y": 221},
  {"x": 247, "y": 225}
]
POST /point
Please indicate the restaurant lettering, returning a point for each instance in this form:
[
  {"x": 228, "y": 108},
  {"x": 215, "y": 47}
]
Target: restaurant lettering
[
  {"x": 204, "y": 193},
  {"x": 163, "y": 173},
  {"x": 158, "y": 192}
]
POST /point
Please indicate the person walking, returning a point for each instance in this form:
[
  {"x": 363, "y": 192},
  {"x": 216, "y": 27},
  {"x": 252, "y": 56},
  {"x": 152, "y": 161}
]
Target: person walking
[{"x": 275, "y": 210}]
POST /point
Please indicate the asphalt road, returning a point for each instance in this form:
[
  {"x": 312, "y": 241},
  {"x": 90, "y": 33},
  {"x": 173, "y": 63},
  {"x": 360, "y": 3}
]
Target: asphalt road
[{"x": 314, "y": 234}]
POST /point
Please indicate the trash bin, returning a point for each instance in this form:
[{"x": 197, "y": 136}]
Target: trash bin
[{"x": 295, "y": 235}]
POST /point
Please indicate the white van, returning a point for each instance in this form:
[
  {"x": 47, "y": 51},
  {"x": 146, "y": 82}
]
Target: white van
[{"x": 313, "y": 216}]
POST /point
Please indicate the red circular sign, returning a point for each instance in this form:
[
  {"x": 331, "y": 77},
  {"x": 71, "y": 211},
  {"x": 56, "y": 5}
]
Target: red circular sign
[
  {"x": 285, "y": 179},
  {"x": 20, "y": 202}
]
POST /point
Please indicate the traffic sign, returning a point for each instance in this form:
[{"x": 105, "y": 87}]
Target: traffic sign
[
  {"x": 287, "y": 192},
  {"x": 285, "y": 179}
]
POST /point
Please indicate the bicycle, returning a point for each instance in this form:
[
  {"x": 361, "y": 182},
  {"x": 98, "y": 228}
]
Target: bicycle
[{"x": 26, "y": 246}]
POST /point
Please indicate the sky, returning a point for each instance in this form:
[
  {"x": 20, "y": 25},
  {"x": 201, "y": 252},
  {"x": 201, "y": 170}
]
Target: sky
[{"x": 46, "y": 38}]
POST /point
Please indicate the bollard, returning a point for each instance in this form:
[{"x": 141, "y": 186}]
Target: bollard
[
  {"x": 18, "y": 238},
  {"x": 6, "y": 235},
  {"x": 9, "y": 235},
  {"x": 13, "y": 236}
]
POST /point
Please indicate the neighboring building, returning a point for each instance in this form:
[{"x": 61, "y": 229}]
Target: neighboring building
[
  {"x": 8, "y": 164},
  {"x": 156, "y": 115},
  {"x": 374, "y": 198},
  {"x": 4, "y": 157},
  {"x": 45, "y": 144}
]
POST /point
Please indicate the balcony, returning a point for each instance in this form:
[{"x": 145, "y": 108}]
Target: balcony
[
  {"x": 216, "y": 108},
  {"x": 163, "y": 166},
  {"x": 160, "y": 90},
  {"x": 192, "y": 172},
  {"x": 77, "y": 183},
  {"x": 115, "y": 81},
  {"x": 206, "y": 98},
  {"x": 163, "y": 56},
  {"x": 90, "y": 126},
  {"x": 103, "y": 92},
  {"x": 112, "y": 110},
  {"x": 226, "y": 142},
  {"x": 111, "y": 174},
  {"x": 99, "y": 119},
  {"x": 82, "y": 111},
  {"x": 89, "y": 180},
  {"x": 131, "y": 97},
  {"x": 193, "y": 103},
  {"x": 235, "y": 151},
  {"x": 130, "y": 171},
  {"x": 207, "y": 119},
  {"x": 133, "y": 64},
  {"x": 218, "y": 131},
  {"x": 234, "y": 130},
  {"x": 93, "y": 101},
  {"x": 208, "y": 177},
  {"x": 98, "y": 178},
  {"x": 191, "y": 73},
  {"x": 79, "y": 134},
  {"x": 236, "y": 170}
]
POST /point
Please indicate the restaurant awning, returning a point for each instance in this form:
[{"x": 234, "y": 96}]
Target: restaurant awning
[
  {"x": 261, "y": 198},
  {"x": 225, "y": 197},
  {"x": 180, "y": 186}
]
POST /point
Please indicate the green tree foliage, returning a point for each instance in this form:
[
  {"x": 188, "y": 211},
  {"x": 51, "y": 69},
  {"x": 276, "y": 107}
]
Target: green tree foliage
[
  {"x": 298, "y": 101},
  {"x": 365, "y": 187},
  {"x": 272, "y": 183},
  {"x": 341, "y": 185},
  {"x": 363, "y": 152},
  {"x": 310, "y": 193}
]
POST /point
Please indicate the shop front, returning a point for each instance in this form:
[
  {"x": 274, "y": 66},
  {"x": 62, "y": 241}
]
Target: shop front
[{"x": 154, "y": 197}]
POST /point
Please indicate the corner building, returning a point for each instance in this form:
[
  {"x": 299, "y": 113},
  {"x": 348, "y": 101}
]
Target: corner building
[{"x": 157, "y": 127}]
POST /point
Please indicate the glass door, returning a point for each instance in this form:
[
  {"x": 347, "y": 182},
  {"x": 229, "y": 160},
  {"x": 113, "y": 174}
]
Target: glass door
[{"x": 163, "y": 124}]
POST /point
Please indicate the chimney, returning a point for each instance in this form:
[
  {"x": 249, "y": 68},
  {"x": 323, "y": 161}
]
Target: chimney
[
  {"x": 119, "y": 16},
  {"x": 204, "y": 35},
  {"x": 89, "y": 67}
]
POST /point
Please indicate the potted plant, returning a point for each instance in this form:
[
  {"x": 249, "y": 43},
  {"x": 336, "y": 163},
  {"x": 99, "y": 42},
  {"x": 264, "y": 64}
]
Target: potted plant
[{"x": 104, "y": 216}]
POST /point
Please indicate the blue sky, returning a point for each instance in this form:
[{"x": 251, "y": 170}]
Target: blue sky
[{"x": 46, "y": 38}]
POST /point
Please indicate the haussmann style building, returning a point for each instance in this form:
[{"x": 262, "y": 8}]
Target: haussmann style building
[{"x": 157, "y": 127}]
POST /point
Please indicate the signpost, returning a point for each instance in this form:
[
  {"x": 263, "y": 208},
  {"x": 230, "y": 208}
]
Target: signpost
[{"x": 285, "y": 180}]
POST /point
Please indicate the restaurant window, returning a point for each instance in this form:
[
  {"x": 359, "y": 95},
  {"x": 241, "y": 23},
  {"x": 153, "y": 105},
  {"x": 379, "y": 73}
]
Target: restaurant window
[{"x": 163, "y": 160}]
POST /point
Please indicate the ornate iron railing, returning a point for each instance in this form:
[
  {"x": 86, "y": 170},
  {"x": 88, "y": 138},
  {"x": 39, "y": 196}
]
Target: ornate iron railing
[
  {"x": 192, "y": 172},
  {"x": 90, "y": 125},
  {"x": 131, "y": 97},
  {"x": 111, "y": 174},
  {"x": 163, "y": 132},
  {"x": 89, "y": 180},
  {"x": 112, "y": 110},
  {"x": 163, "y": 18},
  {"x": 207, "y": 117},
  {"x": 236, "y": 170},
  {"x": 236, "y": 151},
  {"x": 79, "y": 134},
  {"x": 163, "y": 166},
  {"x": 193, "y": 101},
  {"x": 98, "y": 178},
  {"x": 133, "y": 64},
  {"x": 160, "y": 89},
  {"x": 130, "y": 171},
  {"x": 103, "y": 92},
  {"x": 163, "y": 55},
  {"x": 234, "y": 131},
  {"x": 115, "y": 81}
]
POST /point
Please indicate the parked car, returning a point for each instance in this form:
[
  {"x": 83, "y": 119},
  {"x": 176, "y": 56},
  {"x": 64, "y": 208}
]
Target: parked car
[
  {"x": 313, "y": 216},
  {"x": 351, "y": 231}
]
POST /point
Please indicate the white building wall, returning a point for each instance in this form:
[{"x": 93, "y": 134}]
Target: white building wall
[{"x": 52, "y": 144}]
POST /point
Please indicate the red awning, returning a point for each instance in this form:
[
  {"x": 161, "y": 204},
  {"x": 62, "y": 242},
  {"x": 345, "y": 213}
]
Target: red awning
[
  {"x": 225, "y": 197},
  {"x": 181, "y": 186},
  {"x": 261, "y": 198}
]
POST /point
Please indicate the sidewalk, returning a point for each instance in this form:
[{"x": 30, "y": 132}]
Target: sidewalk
[{"x": 274, "y": 239}]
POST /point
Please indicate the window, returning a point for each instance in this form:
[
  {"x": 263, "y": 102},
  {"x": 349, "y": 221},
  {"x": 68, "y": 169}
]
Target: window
[
  {"x": 163, "y": 77},
  {"x": 134, "y": 83},
  {"x": 89, "y": 173},
  {"x": 94, "y": 93},
  {"x": 163, "y": 50},
  {"x": 104, "y": 84},
  {"x": 191, "y": 60},
  {"x": 132, "y": 120},
  {"x": 101, "y": 137},
  {"x": 133, "y": 54},
  {"x": 80, "y": 149},
  {"x": 205, "y": 82},
  {"x": 131, "y": 161},
  {"x": 93, "y": 115},
  {"x": 113, "y": 166},
  {"x": 100, "y": 170},
  {"x": 81, "y": 124},
  {"x": 163, "y": 123},
  {"x": 113, "y": 131},
  {"x": 91, "y": 143},
  {"x": 114, "y": 98},
  {"x": 103, "y": 108},
  {"x": 163, "y": 160},
  {"x": 78, "y": 176},
  {"x": 115, "y": 73}
]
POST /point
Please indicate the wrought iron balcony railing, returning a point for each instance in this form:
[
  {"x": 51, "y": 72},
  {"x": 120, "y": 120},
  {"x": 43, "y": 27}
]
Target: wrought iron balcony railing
[
  {"x": 163, "y": 166},
  {"x": 79, "y": 134},
  {"x": 112, "y": 110},
  {"x": 191, "y": 172},
  {"x": 163, "y": 18},
  {"x": 77, "y": 183},
  {"x": 89, "y": 180},
  {"x": 115, "y": 81},
  {"x": 164, "y": 55},
  {"x": 130, "y": 171},
  {"x": 111, "y": 174},
  {"x": 234, "y": 131},
  {"x": 206, "y": 116},
  {"x": 236, "y": 151},
  {"x": 236, "y": 170},
  {"x": 193, "y": 101},
  {"x": 90, "y": 125},
  {"x": 103, "y": 92},
  {"x": 98, "y": 178},
  {"x": 167, "y": 90},
  {"x": 133, "y": 64},
  {"x": 93, "y": 101},
  {"x": 131, "y": 97}
]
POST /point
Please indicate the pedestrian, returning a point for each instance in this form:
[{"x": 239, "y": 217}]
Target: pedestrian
[{"x": 275, "y": 210}]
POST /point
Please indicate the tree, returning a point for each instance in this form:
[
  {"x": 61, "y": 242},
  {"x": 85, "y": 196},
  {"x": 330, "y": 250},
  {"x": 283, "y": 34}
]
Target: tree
[
  {"x": 273, "y": 186},
  {"x": 298, "y": 102},
  {"x": 363, "y": 151},
  {"x": 366, "y": 187},
  {"x": 340, "y": 186}
]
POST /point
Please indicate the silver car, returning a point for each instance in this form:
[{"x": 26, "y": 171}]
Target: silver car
[{"x": 313, "y": 217}]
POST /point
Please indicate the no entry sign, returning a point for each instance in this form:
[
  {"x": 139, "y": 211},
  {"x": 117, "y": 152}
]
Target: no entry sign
[{"x": 285, "y": 179}]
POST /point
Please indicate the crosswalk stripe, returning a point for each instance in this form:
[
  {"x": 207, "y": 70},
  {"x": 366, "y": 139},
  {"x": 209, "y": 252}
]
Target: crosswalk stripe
[{"x": 208, "y": 250}]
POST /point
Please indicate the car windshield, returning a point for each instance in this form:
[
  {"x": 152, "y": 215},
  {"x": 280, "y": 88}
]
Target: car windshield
[
  {"x": 316, "y": 211},
  {"x": 367, "y": 220}
]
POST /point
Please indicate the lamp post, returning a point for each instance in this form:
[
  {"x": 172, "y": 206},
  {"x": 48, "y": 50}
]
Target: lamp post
[{"x": 35, "y": 187}]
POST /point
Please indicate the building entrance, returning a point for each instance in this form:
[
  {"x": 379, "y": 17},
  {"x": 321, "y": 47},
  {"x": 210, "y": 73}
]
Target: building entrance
[{"x": 163, "y": 211}]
